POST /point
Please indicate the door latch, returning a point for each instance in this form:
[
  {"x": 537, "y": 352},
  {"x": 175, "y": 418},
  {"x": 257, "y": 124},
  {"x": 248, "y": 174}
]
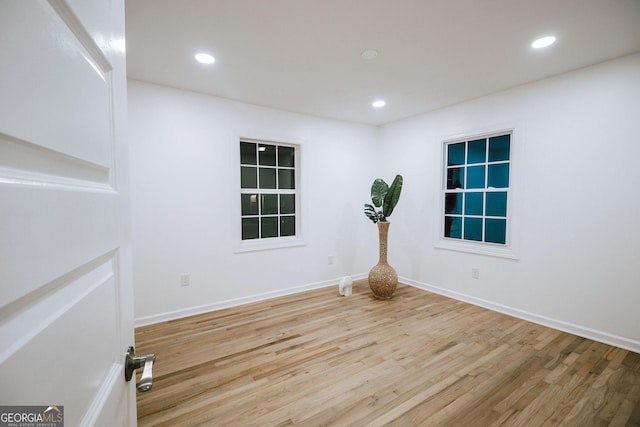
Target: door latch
[{"x": 133, "y": 362}]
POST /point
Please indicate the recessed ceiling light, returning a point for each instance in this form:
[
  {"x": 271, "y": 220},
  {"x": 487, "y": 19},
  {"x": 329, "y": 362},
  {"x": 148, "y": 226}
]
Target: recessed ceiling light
[
  {"x": 379, "y": 103},
  {"x": 205, "y": 58},
  {"x": 369, "y": 54},
  {"x": 543, "y": 42}
]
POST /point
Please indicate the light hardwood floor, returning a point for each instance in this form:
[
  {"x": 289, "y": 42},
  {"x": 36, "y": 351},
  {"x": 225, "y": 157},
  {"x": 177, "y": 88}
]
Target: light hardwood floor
[{"x": 316, "y": 358}]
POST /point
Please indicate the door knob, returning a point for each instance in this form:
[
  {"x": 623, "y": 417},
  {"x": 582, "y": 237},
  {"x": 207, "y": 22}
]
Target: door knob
[{"x": 133, "y": 362}]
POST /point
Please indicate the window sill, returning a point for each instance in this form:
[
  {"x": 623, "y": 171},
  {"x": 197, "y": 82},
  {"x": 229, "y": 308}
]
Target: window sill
[
  {"x": 269, "y": 244},
  {"x": 477, "y": 248}
]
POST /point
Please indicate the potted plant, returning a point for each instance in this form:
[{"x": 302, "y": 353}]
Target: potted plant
[{"x": 383, "y": 279}]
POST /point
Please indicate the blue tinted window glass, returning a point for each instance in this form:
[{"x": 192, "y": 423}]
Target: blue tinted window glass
[
  {"x": 473, "y": 229},
  {"x": 455, "y": 154},
  {"x": 499, "y": 175},
  {"x": 499, "y": 148},
  {"x": 250, "y": 228},
  {"x": 453, "y": 203},
  {"x": 455, "y": 178},
  {"x": 475, "y": 177},
  {"x": 477, "y": 151},
  {"x": 496, "y": 230},
  {"x": 473, "y": 203},
  {"x": 288, "y": 226},
  {"x": 269, "y": 226},
  {"x": 453, "y": 227},
  {"x": 497, "y": 204}
]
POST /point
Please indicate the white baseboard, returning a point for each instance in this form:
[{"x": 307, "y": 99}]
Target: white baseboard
[
  {"x": 206, "y": 308},
  {"x": 596, "y": 335},
  {"x": 571, "y": 328}
]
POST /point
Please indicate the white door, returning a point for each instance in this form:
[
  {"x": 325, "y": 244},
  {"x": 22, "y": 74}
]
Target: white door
[{"x": 66, "y": 314}]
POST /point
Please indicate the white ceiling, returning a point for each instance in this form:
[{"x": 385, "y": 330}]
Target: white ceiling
[{"x": 304, "y": 55}]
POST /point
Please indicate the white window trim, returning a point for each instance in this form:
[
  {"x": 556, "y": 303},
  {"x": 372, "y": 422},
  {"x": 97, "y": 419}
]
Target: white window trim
[
  {"x": 270, "y": 243},
  {"x": 253, "y": 245},
  {"x": 508, "y": 250}
]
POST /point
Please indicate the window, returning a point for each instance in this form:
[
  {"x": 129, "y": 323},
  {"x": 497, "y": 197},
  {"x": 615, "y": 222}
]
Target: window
[
  {"x": 477, "y": 189},
  {"x": 268, "y": 194}
]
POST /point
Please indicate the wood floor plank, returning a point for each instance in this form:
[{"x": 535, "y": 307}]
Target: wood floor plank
[{"x": 316, "y": 358}]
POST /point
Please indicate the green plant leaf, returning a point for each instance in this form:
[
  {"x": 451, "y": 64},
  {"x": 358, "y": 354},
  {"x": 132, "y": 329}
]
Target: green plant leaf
[
  {"x": 378, "y": 190},
  {"x": 392, "y": 196},
  {"x": 371, "y": 213}
]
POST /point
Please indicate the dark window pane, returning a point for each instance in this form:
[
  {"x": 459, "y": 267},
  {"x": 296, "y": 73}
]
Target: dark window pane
[
  {"x": 247, "y": 153},
  {"x": 269, "y": 226},
  {"x": 250, "y": 228},
  {"x": 455, "y": 154},
  {"x": 286, "y": 179},
  {"x": 453, "y": 227},
  {"x": 473, "y": 229},
  {"x": 477, "y": 151},
  {"x": 496, "y": 231},
  {"x": 499, "y": 175},
  {"x": 455, "y": 178},
  {"x": 267, "y": 155},
  {"x": 269, "y": 167},
  {"x": 287, "y": 226},
  {"x": 269, "y": 204},
  {"x": 497, "y": 204},
  {"x": 287, "y": 203},
  {"x": 473, "y": 203},
  {"x": 499, "y": 148},
  {"x": 453, "y": 203},
  {"x": 249, "y": 204},
  {"x": 267, "y": 178},
  {"x": 475, "y": 177},
  {"x": 286, "y": 157},
  {"x": 248, "y": 177}
]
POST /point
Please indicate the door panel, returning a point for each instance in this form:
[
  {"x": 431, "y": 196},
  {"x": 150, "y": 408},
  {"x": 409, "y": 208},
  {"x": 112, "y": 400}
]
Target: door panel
[
  {"x": 49, "y": 232},
  {"x": 64, "y": 79},
  {"x": 66, "y": 315},
  {"x": 74, "y": 357}
]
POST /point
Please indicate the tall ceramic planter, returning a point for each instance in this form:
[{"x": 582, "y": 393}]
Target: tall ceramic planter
[{"x": 383, "y": 279}]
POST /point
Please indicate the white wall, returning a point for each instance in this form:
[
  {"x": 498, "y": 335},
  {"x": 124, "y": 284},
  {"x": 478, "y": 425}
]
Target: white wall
[
  {"x": 186, "y": 202},
  {"x": 574, "y": 171},
  {"x": 575, "y": 174}
]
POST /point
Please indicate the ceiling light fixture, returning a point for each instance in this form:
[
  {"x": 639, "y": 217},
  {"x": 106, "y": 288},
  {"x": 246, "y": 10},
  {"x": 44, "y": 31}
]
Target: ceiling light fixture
[
  {"x": 543, "y": 42},
  {"x": 379, "y": 103},
  {"x": 205, "y": 58}
]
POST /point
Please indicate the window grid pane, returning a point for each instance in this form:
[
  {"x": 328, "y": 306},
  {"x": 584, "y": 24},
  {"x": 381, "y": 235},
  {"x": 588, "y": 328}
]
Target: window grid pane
[
  {"x": 476, "y": 189},
  {"x": 267, "y": 190},
  {"x": 248, "y": 153},
  {"x": 248, "y": 177}
]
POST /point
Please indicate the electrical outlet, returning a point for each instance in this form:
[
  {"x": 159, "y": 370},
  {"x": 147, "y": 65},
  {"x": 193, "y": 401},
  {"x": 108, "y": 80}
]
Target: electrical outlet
[
  {"x": 475, "y": 273},
  {"x": 330, "y": 259},
  {"x": 185, "y": 279}
]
